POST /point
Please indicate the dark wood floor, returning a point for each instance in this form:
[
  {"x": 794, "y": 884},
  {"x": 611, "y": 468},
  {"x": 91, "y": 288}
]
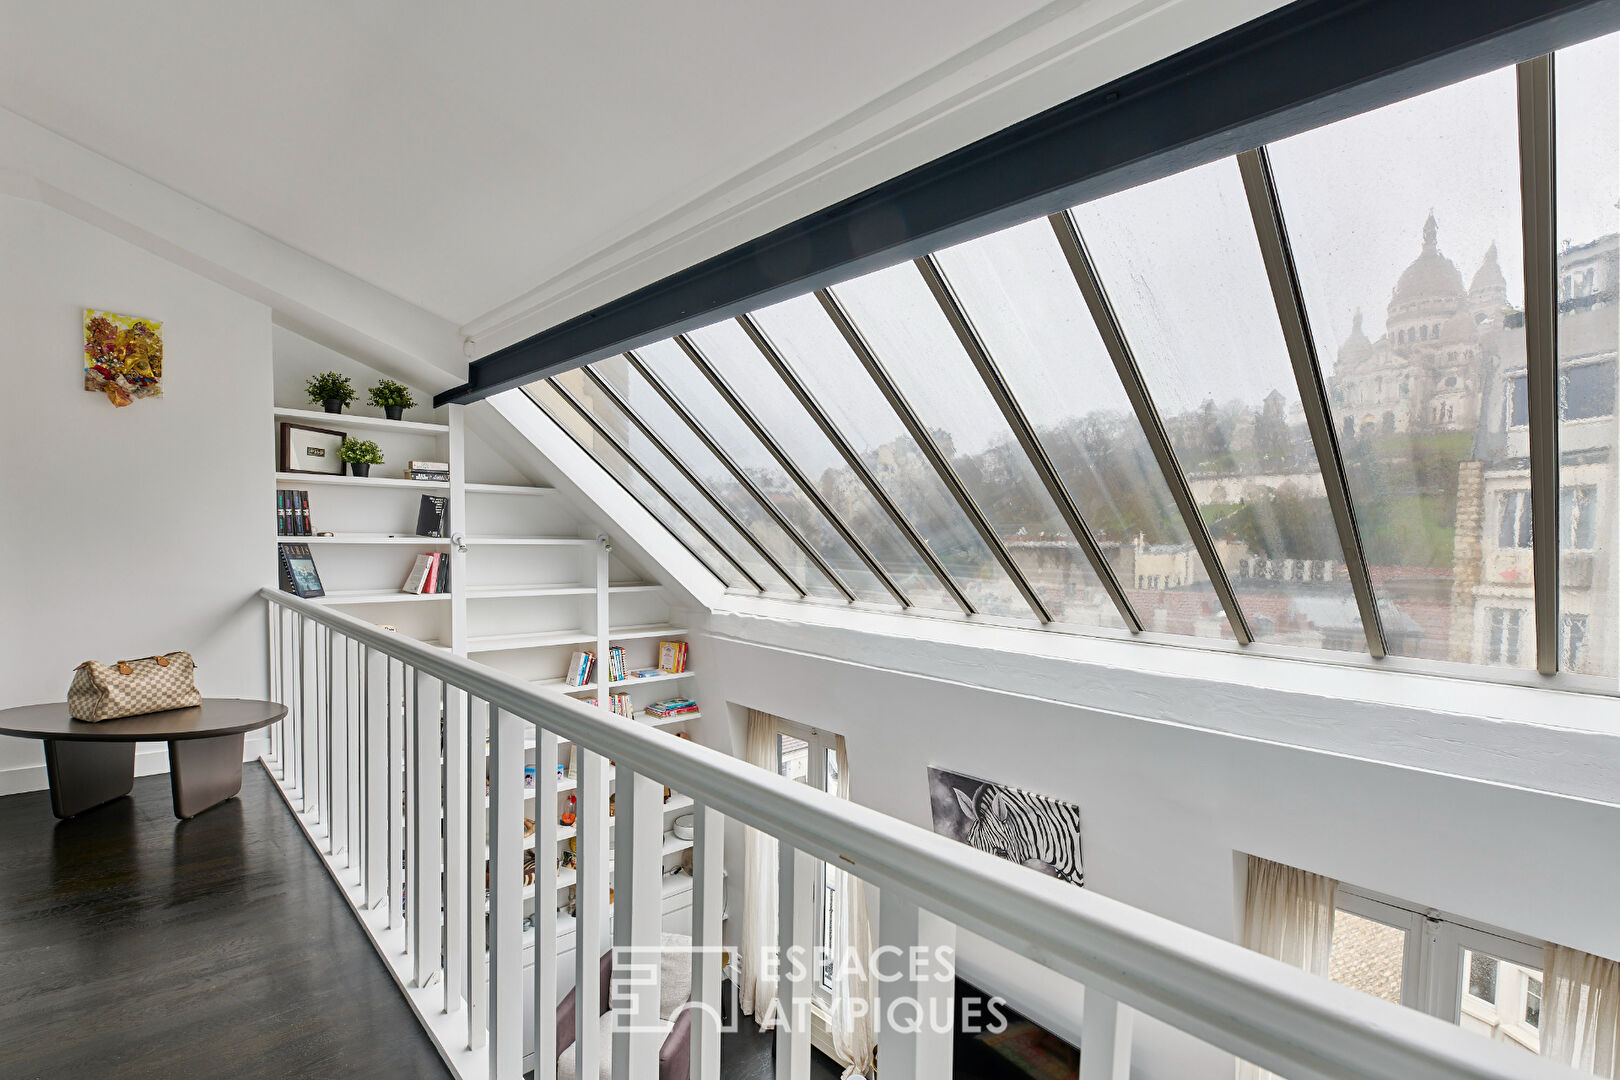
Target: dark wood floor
[{"x": 133, "y": 945}]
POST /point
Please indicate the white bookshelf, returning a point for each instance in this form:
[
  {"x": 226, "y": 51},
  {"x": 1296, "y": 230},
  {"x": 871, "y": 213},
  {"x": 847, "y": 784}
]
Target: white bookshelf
[{"x": 527, "y": 584}]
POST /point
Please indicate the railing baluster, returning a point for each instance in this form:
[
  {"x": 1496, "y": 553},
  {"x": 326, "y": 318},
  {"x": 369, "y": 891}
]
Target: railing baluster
[
  {"x": 363, "y": 758},
  {"x": 427, "y": 830},
  {"x": 637, "y": 905},
  {"x": 306, "y": 721},
  {"x": 545, "y": 905},
  {"x": 921, "y": 1051},
  {"x": 590, "y": 902},
  {"x": 795, "y": 935},
  {"x": 454, "y": 801},
  {"x": 395, "y": 797},
  {"x": 478, "y": 799},
  {"x": 506, "y": 897},
  {"x": 1105, "y": 1038},
  {"x": 353, "y": 695},
  {"x": 326, "y": 730},
  {"x": 708, "y": 906}
]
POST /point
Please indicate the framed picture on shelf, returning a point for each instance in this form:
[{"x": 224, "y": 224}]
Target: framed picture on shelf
[{"x": 308, "y": 449}]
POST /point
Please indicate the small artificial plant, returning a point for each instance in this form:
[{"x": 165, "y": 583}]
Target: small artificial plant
[
  {"x": 360, "y": 452},
  {"x": 388, "y": 392},
  {"x": 329, "y": 386}
]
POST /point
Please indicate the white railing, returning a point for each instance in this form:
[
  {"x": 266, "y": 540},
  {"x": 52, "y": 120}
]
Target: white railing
[{"x": 359, "y": 759}]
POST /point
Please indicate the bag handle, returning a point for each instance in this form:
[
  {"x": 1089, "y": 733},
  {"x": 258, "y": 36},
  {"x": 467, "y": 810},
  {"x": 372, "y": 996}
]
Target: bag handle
[{"x": 123, "y": 665}]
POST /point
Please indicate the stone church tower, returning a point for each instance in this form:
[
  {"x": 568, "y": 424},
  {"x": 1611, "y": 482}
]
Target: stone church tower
[{"x": 1426, "y": 371}]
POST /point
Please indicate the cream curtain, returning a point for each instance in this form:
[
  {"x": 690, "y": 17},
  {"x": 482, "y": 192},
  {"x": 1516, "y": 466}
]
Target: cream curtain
[
  {"x": 1580, "y": 1011},
  {"x": 853, "y": 1004},
  {"x": 1288, "y": 916},
  {"x": 757, "y": 994}
]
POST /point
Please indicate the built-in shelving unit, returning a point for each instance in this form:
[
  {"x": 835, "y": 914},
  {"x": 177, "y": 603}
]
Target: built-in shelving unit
[{"x": 527, "y": 591}]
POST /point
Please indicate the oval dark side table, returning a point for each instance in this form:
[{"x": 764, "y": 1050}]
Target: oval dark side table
[{"x": 90, "y": 764}]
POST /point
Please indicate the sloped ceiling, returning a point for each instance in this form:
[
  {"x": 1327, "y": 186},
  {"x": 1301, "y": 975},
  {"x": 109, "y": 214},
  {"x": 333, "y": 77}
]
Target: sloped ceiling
[{"x": 456, "y": 155}]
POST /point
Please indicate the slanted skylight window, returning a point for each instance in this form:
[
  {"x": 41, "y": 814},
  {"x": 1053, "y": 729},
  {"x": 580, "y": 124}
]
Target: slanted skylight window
[{"x": 1289, "y": 398}]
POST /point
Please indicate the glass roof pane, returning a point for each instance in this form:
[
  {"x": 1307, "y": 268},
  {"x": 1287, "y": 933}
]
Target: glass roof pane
[
  {"x": 741, "y": 364},
  {"x": 1182, "y": 267},
  {"x": 616, "y": 372},
  {"x": 1588, "y": 104},
  {"x": 1405, "y": 227},
  {"x": 704, "y": 403},
  {"x": 910, "y": 335},
  {"x": 817, "y": 353},
  {"x": 610, "y": 459},
  {"x": 1017, "y": 288}
]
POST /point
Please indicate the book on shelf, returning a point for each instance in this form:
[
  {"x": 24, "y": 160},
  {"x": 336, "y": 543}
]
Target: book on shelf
[
  {"x": 416, "y": 474},
  {"x": 281, "y": 513},
  {"x": 619, "y": 704},
  {"x": 429, "y": 466},
  {"x": 672, "y": 657},
  {"x": 579, "y": 669},
  {"x": 672, "y": 707},
  {"x": 444, "y": 571},
  {"x": 292, "y": 513},
  {"x": 431, "y": 585},
  {"x": 416, "y": 580},
  {"x": 433, "y": 516},
  {"x": 647, "y": 673},
  {"x": 297, "y": 571}
]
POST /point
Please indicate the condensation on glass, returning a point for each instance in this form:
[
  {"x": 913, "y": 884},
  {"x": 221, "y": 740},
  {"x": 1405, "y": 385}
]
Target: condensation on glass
[
  {"x": 1587, "y": 99},
  {"x": 1017, "y": 289},
  {"x": 1405, "y": 227},
  {"x": 704, "y": 403},
  {"x": 914, "y": 342},
  {"x": 823, "y": 362},
  {"x": 621, "y": 470},
  {"x": 1181, "y": 265},
  {"x": 740, "y": 363}
]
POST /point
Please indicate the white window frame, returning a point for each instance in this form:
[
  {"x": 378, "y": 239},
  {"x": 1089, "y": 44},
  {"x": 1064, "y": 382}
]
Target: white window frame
[
  {"x": 823, "y": 748},
  {"x": 1432, "y": 976}
]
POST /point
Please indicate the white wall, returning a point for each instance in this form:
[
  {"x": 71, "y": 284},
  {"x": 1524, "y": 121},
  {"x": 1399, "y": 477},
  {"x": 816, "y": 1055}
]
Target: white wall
[
  {"x": 1165, "y": 807},
  {"x": 129, "y": 531}
]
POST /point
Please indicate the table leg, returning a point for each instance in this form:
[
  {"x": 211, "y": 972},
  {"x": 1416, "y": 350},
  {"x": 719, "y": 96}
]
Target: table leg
[
  {"x": 83, "y": 775},
  {"x": 204, "y": 772}
]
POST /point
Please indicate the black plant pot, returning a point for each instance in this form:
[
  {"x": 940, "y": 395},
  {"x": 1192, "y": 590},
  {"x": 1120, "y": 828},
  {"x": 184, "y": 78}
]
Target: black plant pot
[
  {"x": 359, "y": 468},
  {"x": 333, "y": 404},
  {"x": 394, "y": 412}
]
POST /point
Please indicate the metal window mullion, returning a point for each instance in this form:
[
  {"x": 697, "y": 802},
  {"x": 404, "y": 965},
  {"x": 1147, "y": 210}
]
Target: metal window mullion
[
  {"x": 811, "y": 492},
  {"x": 652, "y": 481},
  {"x": 1538, "y": 195},
  {"x": 692, "y": 478},
  {"x": 1277, "y": 253},
  {"x": 936, "y": 457},
  {"x": 1147, "y": 414},
  {"x": 1024, "y": 432},
  {"x": 745, "y": 481},
  {"x": 918, "y": 543}
]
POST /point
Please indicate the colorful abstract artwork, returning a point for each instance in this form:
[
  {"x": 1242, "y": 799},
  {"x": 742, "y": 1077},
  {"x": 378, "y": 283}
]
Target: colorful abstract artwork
[{"x": 123, "y": 356}]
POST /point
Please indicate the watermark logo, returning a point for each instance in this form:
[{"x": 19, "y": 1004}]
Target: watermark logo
[{"x": 906, "y": 991}]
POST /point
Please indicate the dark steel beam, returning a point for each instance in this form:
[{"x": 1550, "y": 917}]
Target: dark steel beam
[
  {"x": 1297, "y": 67},
  {"x": 1278, "y": 256},
  {"x": 931, "y": 450},
  {"x": 1024, "y": 432},
  {"x": 1147, "y": 414}
]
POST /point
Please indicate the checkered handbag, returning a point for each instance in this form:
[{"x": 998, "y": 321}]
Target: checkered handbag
[{"x": 133, "y": 687}]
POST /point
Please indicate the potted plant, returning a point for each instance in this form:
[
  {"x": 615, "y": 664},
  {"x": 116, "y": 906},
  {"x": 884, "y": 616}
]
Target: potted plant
[
  {"x": 392, "y": 398},
  {"x": 331, "y": 390},
  {"x": 361, "y": 454}
]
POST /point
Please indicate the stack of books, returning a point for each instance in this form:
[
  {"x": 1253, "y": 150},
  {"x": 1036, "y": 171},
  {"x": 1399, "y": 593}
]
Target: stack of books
[
  {"x": 429, "y": 574},
  {"x": 672, "y": 656},
  {"x": 428, "y": 470},
  {"x": 646, "y": 673},
  {"x": 582, "y": 667},
  {"x": 292, "y": 513},
  {"x": 620, "y": 704},
  {"x": 672, "y": 707}
]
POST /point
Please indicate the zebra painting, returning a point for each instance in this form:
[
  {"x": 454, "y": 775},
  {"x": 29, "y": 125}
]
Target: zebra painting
[{"x": 1020, "y": 826}]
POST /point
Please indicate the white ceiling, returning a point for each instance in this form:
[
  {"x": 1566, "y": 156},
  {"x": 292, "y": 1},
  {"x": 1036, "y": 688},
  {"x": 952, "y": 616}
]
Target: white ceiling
[{"x": 458, "y": 155}]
